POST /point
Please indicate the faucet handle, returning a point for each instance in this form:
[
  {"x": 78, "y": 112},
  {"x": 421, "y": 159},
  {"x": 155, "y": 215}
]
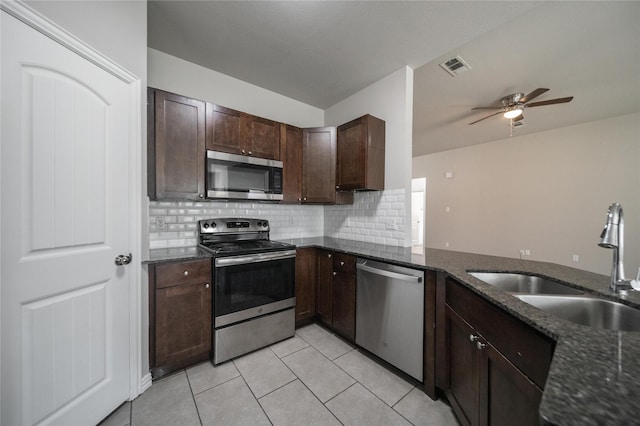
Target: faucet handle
[{"x": 635, "y": 284}]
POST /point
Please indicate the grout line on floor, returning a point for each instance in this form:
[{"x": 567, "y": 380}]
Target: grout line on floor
[
  {"x": 253, "y": 394},
  {"x": 193, "y": 397}
]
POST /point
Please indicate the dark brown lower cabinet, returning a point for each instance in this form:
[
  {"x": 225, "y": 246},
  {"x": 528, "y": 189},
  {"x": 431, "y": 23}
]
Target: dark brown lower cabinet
[
  {"x": 336, "y": 297},
  {"x": 179, "y": 315},
  {"x": 325, "y": 287},
  {"x": 344, "y": 304},
  {"x": 495, "y": 365},
  {"x": 305, "y": 285}
]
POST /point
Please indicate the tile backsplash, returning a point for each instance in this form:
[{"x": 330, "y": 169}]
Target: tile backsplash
[
  {"x": 181, "y": 217},
  {"x": 374, "y": 217},
  {"x": 377, "y": 216}
]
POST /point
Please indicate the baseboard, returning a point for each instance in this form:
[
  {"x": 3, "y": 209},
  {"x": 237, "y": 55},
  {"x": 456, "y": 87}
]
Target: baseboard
[{"x": 145, "y": 382}]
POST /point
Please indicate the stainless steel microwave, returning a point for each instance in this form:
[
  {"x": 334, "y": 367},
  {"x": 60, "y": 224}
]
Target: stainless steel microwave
[{"x": 231, "y": 176}]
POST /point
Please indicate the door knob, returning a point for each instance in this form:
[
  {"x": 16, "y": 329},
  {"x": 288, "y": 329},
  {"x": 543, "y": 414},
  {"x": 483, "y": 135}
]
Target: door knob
[{"x": 123, "y": 259}]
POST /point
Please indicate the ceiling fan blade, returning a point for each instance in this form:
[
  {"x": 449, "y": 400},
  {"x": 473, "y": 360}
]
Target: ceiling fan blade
[
  {"x": 533, "y": 94},
  {"x": 550, "y": 102},
  {"x": 484, "y": 118},
  {"x": 492, "y": 107},
  {"x": 518, "y": 118}
]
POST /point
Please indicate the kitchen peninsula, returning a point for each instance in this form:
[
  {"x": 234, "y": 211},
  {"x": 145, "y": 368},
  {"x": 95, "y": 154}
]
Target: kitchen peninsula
[{"x": 593, "y": 373}]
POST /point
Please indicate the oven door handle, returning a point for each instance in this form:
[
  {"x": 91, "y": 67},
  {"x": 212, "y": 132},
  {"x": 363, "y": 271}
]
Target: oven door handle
[{"x": 252, "y": 258}]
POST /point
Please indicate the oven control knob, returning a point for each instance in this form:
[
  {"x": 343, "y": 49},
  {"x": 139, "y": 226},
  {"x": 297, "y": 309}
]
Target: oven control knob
[
  {"x": 265, "y": 224},
  {"x": 213, "y": 224},
  {"x": 259, "y": 224},
  {"x": 206, "y": 225}
]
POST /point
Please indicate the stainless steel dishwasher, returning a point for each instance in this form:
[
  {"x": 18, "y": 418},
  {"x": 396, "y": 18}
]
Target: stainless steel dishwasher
[{"x": 390, "y": 314}]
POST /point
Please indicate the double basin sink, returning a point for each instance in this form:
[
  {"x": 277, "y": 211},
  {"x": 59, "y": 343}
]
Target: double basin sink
[{"x": 564, "y": 301}]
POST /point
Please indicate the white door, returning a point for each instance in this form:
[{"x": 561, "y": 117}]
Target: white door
[
  {"x": 65, "y": 217},
  {"x": 417, "y": 218}
]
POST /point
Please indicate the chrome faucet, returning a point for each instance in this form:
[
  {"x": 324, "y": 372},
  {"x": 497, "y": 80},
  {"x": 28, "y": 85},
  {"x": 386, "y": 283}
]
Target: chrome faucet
[{"x": 612, "y": 237}]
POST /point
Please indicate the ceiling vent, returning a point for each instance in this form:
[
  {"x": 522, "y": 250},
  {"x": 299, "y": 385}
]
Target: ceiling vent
[{"x": 455, "y": 66}]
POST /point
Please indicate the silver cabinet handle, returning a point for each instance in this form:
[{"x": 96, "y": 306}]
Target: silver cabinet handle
[
  {"x": 473, "y": 337},
  {"x": 206, "y": 286},
  {"x": 335, "y": 273},
  {"x": 243, "y": 152},
  {"x": 341, "y": 263},
  {"x": 185, "y": 273},
  {"x": 201, "y": 195},
  {"x": 250, "y": 153},
  {"x": 481, "y": 345},
  {"x": 329, "y": 255},
  {"x": 123, "y": 259},
  {"x": 389, "y": 274}
]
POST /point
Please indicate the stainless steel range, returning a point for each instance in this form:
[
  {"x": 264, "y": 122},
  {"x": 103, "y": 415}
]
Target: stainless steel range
[{"x": 254, "y": 285}]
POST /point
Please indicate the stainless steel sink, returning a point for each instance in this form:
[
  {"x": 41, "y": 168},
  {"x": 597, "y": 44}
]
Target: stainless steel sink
[
  {"x": 521, "y": 283},
  {"x": 590, "y": 311}
]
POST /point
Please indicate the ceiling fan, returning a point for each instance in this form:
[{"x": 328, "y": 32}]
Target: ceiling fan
[{"x": 512, "y": 105}]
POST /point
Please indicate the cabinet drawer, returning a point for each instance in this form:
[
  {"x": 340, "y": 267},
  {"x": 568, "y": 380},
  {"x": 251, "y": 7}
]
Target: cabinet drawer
[
  {"x": 525, "y": 347},
  {"x": 344, "y": 263},
  {"x": 180, "y": 273}
]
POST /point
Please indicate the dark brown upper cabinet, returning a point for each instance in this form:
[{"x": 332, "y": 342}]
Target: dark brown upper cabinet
[
  {"x": 240, "y": 133},
  {"x": 319, "y": 167},
  {"x": 361, "y": 149},
  {"x": 176, "y": 146},
  {"x": 291, "y": 149}
]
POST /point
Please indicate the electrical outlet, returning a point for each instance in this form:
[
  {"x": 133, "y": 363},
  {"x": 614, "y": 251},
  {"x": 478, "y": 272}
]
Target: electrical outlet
[
  {"x": 160, "y": 224},
  {"x": 576, "y": 258},
  {"x": 521, "y": 253},
  {"x": 391, "y": 223},
  {"x": 446, "y": 244},
  {"x": 527, "y": 252}
]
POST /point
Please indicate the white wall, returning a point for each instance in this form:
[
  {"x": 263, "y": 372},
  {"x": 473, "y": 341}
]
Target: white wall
[
  {"x": 547, "y": 192},
  {"x": 117, "y": 29},
  {"x": 390, "y": 99},
  {"x": 175, "y": 75}
]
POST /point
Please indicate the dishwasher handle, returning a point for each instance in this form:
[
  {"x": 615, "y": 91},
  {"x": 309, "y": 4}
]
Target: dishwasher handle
[{"x": 389, "y": 274}]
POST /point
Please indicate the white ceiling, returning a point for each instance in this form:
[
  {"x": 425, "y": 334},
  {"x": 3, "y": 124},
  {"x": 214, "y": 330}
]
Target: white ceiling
[{"x": 321, "y": 52}]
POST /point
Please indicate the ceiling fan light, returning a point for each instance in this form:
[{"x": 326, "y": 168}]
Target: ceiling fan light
[{"x": 513, "y": 113}]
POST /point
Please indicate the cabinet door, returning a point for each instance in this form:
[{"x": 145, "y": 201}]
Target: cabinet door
[
  {"x": 325, "y": 286},
  {"x": 226, "y": 129},
  {"x": 360, "y": 157},
  {"x": 183, "y": 326},
  {"x": 292, "y": 164},
  {"x": 463, "y": 363},
  {"x": 344, "y": 304},
  {"x": 507, "y": 396},
  {"x": 319, "y": 165},
  {"x": 305, "y": 283},
  {"x": 179, "y": 147},
  {"x": 264, "y": 138}
]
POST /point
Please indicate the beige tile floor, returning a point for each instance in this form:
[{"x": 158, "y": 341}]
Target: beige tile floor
[{"x": 313, "y": 378}]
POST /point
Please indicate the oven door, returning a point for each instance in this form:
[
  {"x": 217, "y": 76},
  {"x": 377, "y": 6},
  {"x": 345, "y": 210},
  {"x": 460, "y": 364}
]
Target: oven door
[{"x": 248, "y": 286}]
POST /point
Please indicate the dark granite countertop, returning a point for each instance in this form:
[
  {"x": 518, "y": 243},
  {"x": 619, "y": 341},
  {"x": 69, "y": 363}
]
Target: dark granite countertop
[
  {"x": 177, "y": 253},
  {"x": 595, "y": 374}
]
